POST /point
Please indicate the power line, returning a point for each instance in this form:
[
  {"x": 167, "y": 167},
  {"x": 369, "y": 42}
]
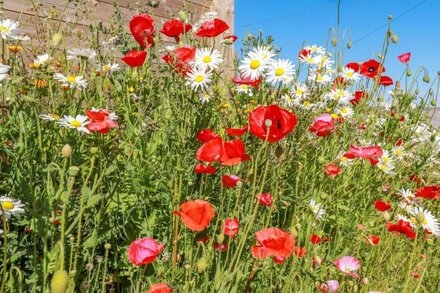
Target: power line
[{"x": 384, "y": 25}]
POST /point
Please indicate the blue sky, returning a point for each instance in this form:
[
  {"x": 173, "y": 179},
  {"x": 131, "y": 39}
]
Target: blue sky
[{"x": 291, "y": 22}]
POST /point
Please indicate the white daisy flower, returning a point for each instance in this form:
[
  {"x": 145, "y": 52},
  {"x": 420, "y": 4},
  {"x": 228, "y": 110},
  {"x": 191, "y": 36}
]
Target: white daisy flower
[
  {"x": 81, "y": 54},
  {"x": 407, "y": 207},
  {"x": 264, "y": 52},
  {"x": 8, "y": 28},
  {"x": 386, "y": 158},
  {"x": 307, "y": 59},
  {"x": 280, "y": 71},
  {"x": 252, "y": 66},
  {"x": 50, "y": 117},
  {"x": 21, "y": 38},
  {"x": 244, "y": 89},
  {"x": 349, "y": 74},
  {"x": 316, "y": 209},
  {"x": 386, "y": 168},
  {"x": 111, "y": 67},
  {"x": 79, "y": 122},
  {"x": 427, "y": 220},
  {"x": 399, "y": 152},
  {"x": 407, "y": 196},
  {"x": 4, "y": 69},
  {"x": 207, "y": 58},
  {"x": 287, "y": 100},
  {"x": 314, "y": 49},
  {"x": 319, "y": 78},
  {"x": 340, "y": 95},
  {"x": 197, "y": 78},
  {"x": 71, "y": 81},
  {"x": 42, "y": 59},
  {"x": 345, "y": 111},
  {"x": 323, "y": 61},
  {"x": 205, "y": 97},
  {"x": 10, "y": 207},
  {"x": 301, "y": 90},
  {"x": 345, "y": 161}
]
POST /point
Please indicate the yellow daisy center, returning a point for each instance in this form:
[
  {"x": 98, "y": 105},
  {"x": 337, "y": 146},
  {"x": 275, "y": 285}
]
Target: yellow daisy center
[
  {"x": 279, "y": 72},
  {"x": 306, "y": 103},
  {"x": 106, "y": 67},
  {"x": 7, "y": 205},
  {"x": 386, "y": 159},
  {"x": 207, "y": 59},
  {"x": 244, "y": 87},
  {"x": 255, "y": 64},
  {"x": 76, "y": 123},
  {"x": 71, "y": 79},
  {"x": 4, "y": 29},
  {"x": 319, "y": 78},
  {"x": 344, "y": 111},
  {"x": 54, "y": 116},
  {"x": 199, "y": 78},
  {"x": 315, "y": 209},
  {"x": 398, "y": 152},
  {"x": 349, "y": 74},
  {"x": 334, "y": 116},
  {"x": 383, "y": 167},
  {"x": 299, "y": 91}
]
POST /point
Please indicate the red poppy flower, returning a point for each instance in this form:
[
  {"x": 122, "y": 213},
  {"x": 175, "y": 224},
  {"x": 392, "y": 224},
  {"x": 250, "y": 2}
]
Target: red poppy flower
[
  {"x": 247, "y": 81},
  {"x": 381, "y": 205},
  {"x": 273, "y": 242},
  {"x": 279, "y": 259},
  {"x": 386, "y": 81},
  {"x": 202, "y": 169},
  {"x": 229, "y": 39},
  {"x": 315, "y": 239},
  {"x": 354, "y": 65},
  {"x": 135, "y": 58},
  {"x": 299, "y": 251},
  {"x": 160, "y": 288},
  {"x": 101, "y": 121},
  {"x": 144, "y": 251},
  {"x": 196, "y": 215},
  {"x": 206, "y": 135},
  {"x": 228, "y": 153},
  {"x": 430, "y": 192},
  {"x": 332, "y": 170},
  {"x": 373, "y": 240},
  {"x": 231, "y": 227},
  {"x": 237, "y": 131},
  {"x": 404, "y": 58},
  {"x": 402, "y": 227},
  {"x": 180, "y": 57},
  {"x": 371, "y": 68},
  {"x": 230, "y": 181},
  {"x": 265, "y": 199},
  {"x": 142, "y": 29},
  {"x": 173, "y": 28},
  {"x": 279, "y": 121},
  {"x": 322, "y": 125},
  {"x": 220, "y": 247},
  {"x": 303, "y": 54},
  {"x": 212, "y": 28},
  {"x": 358, "y": 96},
  {"x": 373, "y": 153}
]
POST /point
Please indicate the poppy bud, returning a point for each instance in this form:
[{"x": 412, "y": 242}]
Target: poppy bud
[
  {"x": 73, "y": 171},
  {"x": 107, "y": 246},
  {"x": 365, "y": 281},
  {"x": 349, "y": 44},
  {"x": 56, "y": 39},
  {"x": 279, "y": 151},
  {"x": 220, "y": 238},
  {"x": 417, "y": 92},
  {"x": 37, "y": 204},
  {"x": 182, "y": 15},
  {"x": 94, "y": 150},
  {"x": 72, "y": 238},
  {"x": 190, "y": 183},
  {"x": 268, "y": 123},
  {"x": 66, "y": 151},
  {"x": 339, "y": 68},
  {"x": 323, "y": 195},
  {"x": 89, "y": 266},
  {"x": 59, "y": 282},
  {"x": 334, "y": 41},
  {"x": 386, "y": 216},
  {"x": 322, "y": 159},
  {"x": 390, "y": 17},
  {"x": 239, "y": 184},
  {"x": 394, "y": 38},
  {"x": 202, "y": 264},
  {"x": 408, "y": 72},
  {"x": 426, "y": 78},
  {"x": 433, "y": 103},
  {"x": 379, "y": 56}
]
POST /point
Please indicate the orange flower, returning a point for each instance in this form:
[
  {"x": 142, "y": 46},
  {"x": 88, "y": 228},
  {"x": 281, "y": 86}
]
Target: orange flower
[{"x": 196, "y": 215}]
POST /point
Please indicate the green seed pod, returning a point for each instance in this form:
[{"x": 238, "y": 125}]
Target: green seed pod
[
  {"x": 433, "y": 103},
  {"x": 349, "y": 44},
  {"x": 394, "y": 38},
  {"x": 408, "y": 72},
  {"x": 73, "y": 171},
  {"x": 334, "y": 41},
  {"x": 107, "y": 246},
  {"x": 59, "y": 282},
  {"x": 94, "y": 150},
  {"x": 268, "y": 123},
  {"x": 182, "y": 15},
  {"x": 426, "y": 78}
]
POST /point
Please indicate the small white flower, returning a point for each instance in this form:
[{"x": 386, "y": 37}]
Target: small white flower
[
  {"x": 50, "y": 117},
  {"x": 280, "y": 71},
  {"x": 407, "y": 207},
  {"x": 244, "y": 89},
  {"x": 386, "y": 168},
  {"x": 111, "y": 67},
  {"x": 349, "y": 74},
  {"x": 8, "y": 28},
  {"x": 4, "y": 69},
  {"x": 386, "y": 158},
  {"x": 322, "y": 61},
  {"x": 79, "y": 122},
  {"x": 197, "y": 78},
  {"x": 340, "y": 95},
  {"x": 399, "y": 152},
  {"x": 205, "y": 97},
  {"x": 42, "y": 59},
  {"x": 345, "y": 161},
  {"x": 71, "y": 81},
  {"x": 21, "y": 38},
  {"x": 427, "y": 220},
  {"x": 319, "y": 78},
  {"x": 407, "y": 196},
  {"x": 81, "y": 54},
  {"x": 207, "y": 58},
  {"x": 316, "y": 209},
  {"x": 345, "y": 111},
  {"x": 301, "y": 90},
  {"x": 314, "y": 49},
  {"x": 10, "y": 206}
]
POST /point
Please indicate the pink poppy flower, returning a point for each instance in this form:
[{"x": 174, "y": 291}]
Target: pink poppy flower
[
  {"x": 265, "y": 199},
  {"x": 333, "y": 285},
  {"x": 404, "y": 58},
  {"x": 348, "y": 264},
  {"x": 230, "y": 181},
  {"x": 144, "y": 251},
  {"x": 231, "y": 227}
]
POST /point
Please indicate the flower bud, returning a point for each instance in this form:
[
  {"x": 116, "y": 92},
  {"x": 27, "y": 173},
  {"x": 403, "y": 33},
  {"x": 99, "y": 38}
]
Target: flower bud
[
  {"x": 73, "y": 171},
  {"x": 202, "y": 264},
  {"x": 386, "y": 216},
  {"x": 66, "y": 151},
  {"x": 268, "y": 123},
  {"x": 417, "y": 92},
  {"x": 394, "y": 38},
  {"x": 426, "y": 78},
  {"x": 56, "y": 39},
  {"x": 89, "y": 266},
  {"x": 239, "y": 184},
  {"x": 72, "y": 238},
  {"x": 433, "y": 103},
  {"x": 182, "y": 15},
  {"x": 349, "y": 44},
  {"x": 94, "y": 150},
  {"x": 334, "y": 41},
  {"x": 59, "y": 282},
  {"x": 380, "y": 56},
  {"x": 107, "y": 246},
  {"x": 365, "y": 281},
  {"x": 390, "y": 17},
  {"x": 220, "y": 238},
  {"x": 408, "y": 72}
]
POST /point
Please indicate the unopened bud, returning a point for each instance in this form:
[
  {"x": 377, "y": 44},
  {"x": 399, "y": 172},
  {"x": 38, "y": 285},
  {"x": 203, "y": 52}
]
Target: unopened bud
[
  {"x": 107, "y": 246},
  {"x": 426, "y": 78},
  {"x": 73, "y": 171},
  {"x": 433, "y": 103},
  {"x": 386, "y": 216},
  {"x": 365, "y": 281},
  {"x": 94, "y": 150},
  {"x": 56, "y": 39},
  {"x": 408, "y": 72},
  {"x": 349, "y": 44},
  {"x": 220, "y": 238},
  {"x": 334, "y": 41},
  {"x": 380, "y": 56},
  {"x": 89, "y": 266},
  {"x": 66, "y": 151},
  {"x": 239, "y": 184},
  {"x": 390, "y": 17},
  {"x": 394, "y": 38},
  {"x": 182, "y": 15},
  {"x": 429, "y": 241},
  {"x": 417, "y": 92},
  {"x": 59, "y": 282}
]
